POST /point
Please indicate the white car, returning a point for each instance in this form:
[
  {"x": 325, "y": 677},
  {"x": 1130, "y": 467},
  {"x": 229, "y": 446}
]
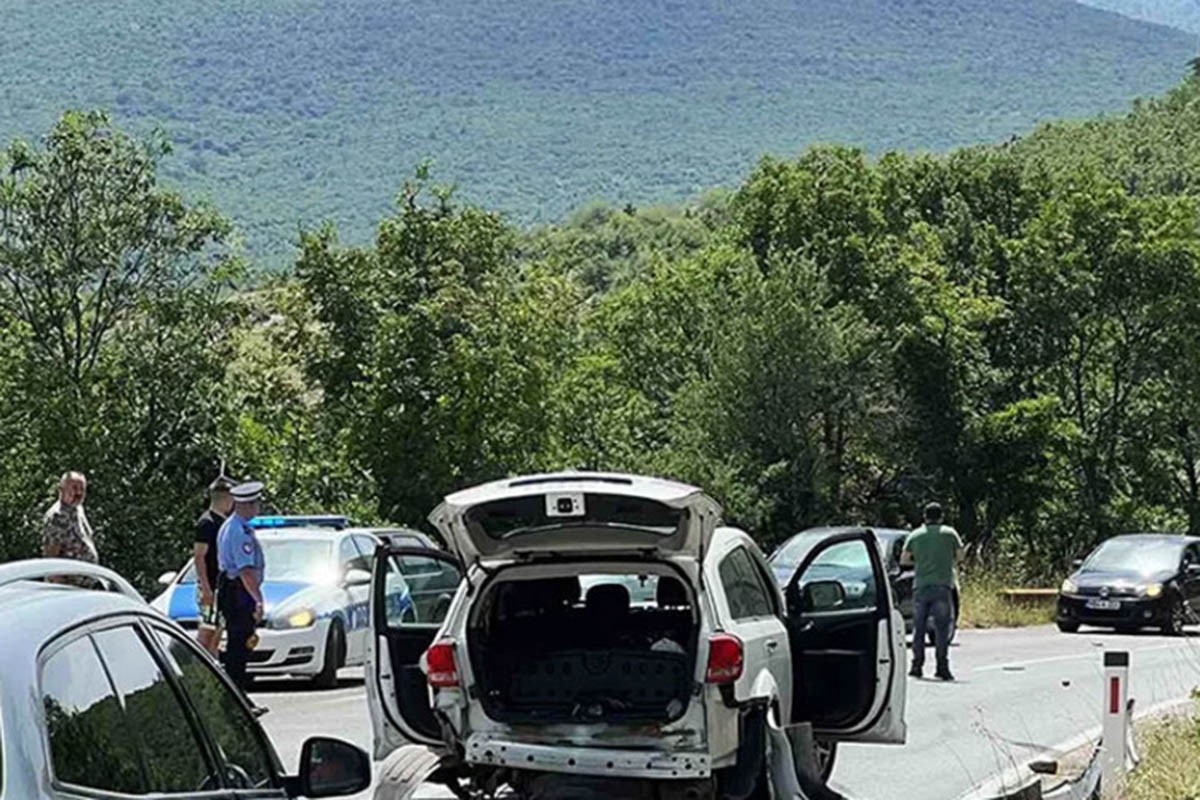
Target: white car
[
  {"x": 682, "y": 668},
  {"x": 104, "y": 698},
  {"x": 315, "y": 588}
]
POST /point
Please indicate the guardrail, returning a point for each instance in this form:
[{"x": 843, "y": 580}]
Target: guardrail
[{"x": 1029, "y": 596}]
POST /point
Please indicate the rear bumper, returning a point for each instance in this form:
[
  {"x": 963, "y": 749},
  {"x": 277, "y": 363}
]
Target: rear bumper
[
  {"x": 487, "y": 750},
  {"x": 1133, "y": 612}
]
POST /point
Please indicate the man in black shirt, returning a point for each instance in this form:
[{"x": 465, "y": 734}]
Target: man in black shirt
[{"x": 205, "y": 556}]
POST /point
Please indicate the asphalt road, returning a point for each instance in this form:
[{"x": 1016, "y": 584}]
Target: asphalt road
[{"x": 1018, "y": 694}]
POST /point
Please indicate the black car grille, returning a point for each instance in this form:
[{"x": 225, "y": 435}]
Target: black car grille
[{"x": 1108, "y": 591}]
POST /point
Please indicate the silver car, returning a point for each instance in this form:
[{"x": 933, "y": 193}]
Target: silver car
[
  {"x": 104, "y": 697},
  {"x": 611, "y": 637}
]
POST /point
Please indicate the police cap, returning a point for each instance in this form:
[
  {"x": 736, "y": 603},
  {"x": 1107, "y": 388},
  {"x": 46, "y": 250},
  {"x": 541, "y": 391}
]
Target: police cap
[{"x": 247, "y": 492}]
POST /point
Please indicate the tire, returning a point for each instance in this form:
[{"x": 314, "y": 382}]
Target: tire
[
  {"x": 1176, "y": 618},
  {"x": 335, "y": 656},
  {"x": 1068, "y": 627}
]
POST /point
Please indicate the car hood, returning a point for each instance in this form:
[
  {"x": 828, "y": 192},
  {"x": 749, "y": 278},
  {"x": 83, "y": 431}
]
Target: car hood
[
  {"x": 611, "y": 513},
  {"x": 182, "y": 604},
  {"x": 1118, "y": 578}
]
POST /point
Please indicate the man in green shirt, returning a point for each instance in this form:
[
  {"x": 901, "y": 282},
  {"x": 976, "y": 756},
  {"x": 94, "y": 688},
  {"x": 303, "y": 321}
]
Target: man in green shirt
[{"x": 935, "y": 550}]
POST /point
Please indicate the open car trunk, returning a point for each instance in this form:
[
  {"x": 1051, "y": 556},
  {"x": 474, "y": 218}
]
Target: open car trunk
[{"x": 608, "y": 647}]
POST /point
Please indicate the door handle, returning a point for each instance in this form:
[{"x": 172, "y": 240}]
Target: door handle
[{"x": 772, "y": 644}]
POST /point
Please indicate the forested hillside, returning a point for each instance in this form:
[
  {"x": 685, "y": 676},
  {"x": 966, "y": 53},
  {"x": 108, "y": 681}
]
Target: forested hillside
[
  {"x": 290, "y": 112},
  {"x": 1012, "y": 329}
]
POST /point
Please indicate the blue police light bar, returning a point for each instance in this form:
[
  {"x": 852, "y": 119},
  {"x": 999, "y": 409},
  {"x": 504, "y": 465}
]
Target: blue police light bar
[{"x": 335, "y": 522}]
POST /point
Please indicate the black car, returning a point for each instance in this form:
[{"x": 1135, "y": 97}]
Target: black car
[
  {"x": 788, "y": 556},
  {"x": 1144, "y": 580}
]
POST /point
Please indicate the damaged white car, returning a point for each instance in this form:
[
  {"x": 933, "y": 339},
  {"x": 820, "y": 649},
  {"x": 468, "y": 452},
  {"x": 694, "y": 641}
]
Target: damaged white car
[{"x": 611, "y": 637}]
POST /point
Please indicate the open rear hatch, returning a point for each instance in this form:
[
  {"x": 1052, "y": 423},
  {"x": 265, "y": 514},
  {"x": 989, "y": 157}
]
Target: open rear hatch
[{"x": 576, "y": 513}]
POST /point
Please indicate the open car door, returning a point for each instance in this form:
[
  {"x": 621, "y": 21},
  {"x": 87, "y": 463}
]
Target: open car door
[
  {"x": 847, "y": 643},
  {"x": 411, "y": 592}
]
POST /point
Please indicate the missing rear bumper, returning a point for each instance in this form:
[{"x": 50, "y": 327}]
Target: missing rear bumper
[{"x": 489, "y": 751}]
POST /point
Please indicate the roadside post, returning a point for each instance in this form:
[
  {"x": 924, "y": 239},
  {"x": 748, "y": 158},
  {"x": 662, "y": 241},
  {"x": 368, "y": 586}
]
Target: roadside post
[{"x": 1115, "y": 724}]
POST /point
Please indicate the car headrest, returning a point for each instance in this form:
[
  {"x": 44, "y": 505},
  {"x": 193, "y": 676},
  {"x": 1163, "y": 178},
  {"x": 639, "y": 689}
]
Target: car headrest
[
  {"x": 670, "y": 593},
  {"x": 518, "y": 598},
  {"x": 608, "y": 599}
]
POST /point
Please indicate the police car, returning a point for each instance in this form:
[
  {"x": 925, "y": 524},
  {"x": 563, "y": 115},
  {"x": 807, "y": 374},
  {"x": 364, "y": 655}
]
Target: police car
[
  {"x": 102, "y": 697},
  {"x": 315, "y": 588}
]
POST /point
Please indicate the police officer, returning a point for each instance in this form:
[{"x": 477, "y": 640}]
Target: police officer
[{"x": 239, "y": 585}]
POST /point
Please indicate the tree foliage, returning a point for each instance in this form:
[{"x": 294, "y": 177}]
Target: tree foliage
[{"x": 1011, "y": 330}]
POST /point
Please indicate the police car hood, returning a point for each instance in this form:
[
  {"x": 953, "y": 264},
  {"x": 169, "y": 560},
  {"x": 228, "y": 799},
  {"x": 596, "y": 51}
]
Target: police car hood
[
  {"x": 576, "y": 513},
  {"x": 182, "y": 603}
]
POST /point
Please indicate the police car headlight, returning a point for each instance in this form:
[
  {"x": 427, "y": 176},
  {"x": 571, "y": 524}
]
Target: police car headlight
[
  {"x": 1069, "y": 587},
  {"x": 304, "y": 618},
  {"x": 1152, "y": 590}
]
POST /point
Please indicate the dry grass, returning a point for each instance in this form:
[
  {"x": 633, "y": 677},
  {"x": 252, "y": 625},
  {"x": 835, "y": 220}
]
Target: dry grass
[
  {"x": 983, "y": 607},
  {"x": 1170, "y": 767}
]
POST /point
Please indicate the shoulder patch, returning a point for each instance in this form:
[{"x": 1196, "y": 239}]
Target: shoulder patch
[{"x": 247, "y": 547}]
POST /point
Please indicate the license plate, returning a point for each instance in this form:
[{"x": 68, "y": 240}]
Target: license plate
[{"x": 1104, "y": 605}]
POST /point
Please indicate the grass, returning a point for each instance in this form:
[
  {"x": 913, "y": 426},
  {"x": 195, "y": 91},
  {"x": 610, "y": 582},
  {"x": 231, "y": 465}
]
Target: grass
[
  {"x": 983, "y": 606},
  {"x": 1170, "y": 766}
]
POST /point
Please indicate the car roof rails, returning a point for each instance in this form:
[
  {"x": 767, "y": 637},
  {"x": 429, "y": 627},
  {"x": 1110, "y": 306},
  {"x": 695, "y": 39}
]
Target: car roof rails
[{"x": 38, "y": 568}]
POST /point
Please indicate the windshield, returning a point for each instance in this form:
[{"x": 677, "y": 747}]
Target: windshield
[
  {"x": 794, "y": 551},
  {"x": 291, "y": 560},
  {"x": 1130, "y": 554}
]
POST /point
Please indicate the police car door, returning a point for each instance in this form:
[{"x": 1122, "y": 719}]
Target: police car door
[
  {"x": 847, "y": 643},
  {"x": 412, "y": 589}
]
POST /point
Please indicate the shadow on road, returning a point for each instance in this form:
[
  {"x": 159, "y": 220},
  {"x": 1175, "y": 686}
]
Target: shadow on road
[{"x": 298, "y": 685}]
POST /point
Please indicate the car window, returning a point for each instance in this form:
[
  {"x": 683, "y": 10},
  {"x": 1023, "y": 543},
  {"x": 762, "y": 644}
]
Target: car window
[
  {"x": 90, "y": 741},
  {"x": 174, "y": 759},
  {"x": 350, "y": 558},
  {"x": 366, "y": 546},
  {"x": 744, "y": 586},
  {"x": 418, "y": 590},
  {"x": 848, "y": 564},
  {"x": 233, "y": 730}
]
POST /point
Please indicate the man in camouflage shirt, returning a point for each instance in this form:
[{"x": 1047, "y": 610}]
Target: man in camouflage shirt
[{"x": 65, "y": 529}]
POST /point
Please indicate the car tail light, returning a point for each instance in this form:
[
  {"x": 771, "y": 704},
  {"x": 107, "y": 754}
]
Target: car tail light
[
  {"x": 441, "y": 669},
  {"x": 725, "y": 658}
]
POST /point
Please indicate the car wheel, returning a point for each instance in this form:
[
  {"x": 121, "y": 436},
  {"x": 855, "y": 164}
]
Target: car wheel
[
  {"x": 1068, "y": 627},
  {"x": 1176, "y": 618},
  {"x": 335, "y": 655}
]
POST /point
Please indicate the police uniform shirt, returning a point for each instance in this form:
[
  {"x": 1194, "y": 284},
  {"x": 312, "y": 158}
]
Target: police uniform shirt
[{"x": 238, "y": 548}]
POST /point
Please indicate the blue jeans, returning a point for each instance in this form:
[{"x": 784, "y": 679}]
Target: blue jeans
[{"x": 936, "y": 602}]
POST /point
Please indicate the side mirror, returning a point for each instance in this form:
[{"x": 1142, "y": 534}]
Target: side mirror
[
  {"x": 357, "y": 577},
  {"x": 332, "y": 768},
  {"x": 1193, "y": 570},
  {"x": 822, "y": 596},
  {"x": 167, "y": 578},
  {"x": 1076, "y": 563}
]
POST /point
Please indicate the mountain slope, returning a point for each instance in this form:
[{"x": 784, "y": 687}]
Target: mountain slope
[{"x": 288, "y": 112}]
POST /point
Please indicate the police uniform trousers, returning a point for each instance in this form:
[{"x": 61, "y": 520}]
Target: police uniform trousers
[{"x": 237, "y": 606}]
